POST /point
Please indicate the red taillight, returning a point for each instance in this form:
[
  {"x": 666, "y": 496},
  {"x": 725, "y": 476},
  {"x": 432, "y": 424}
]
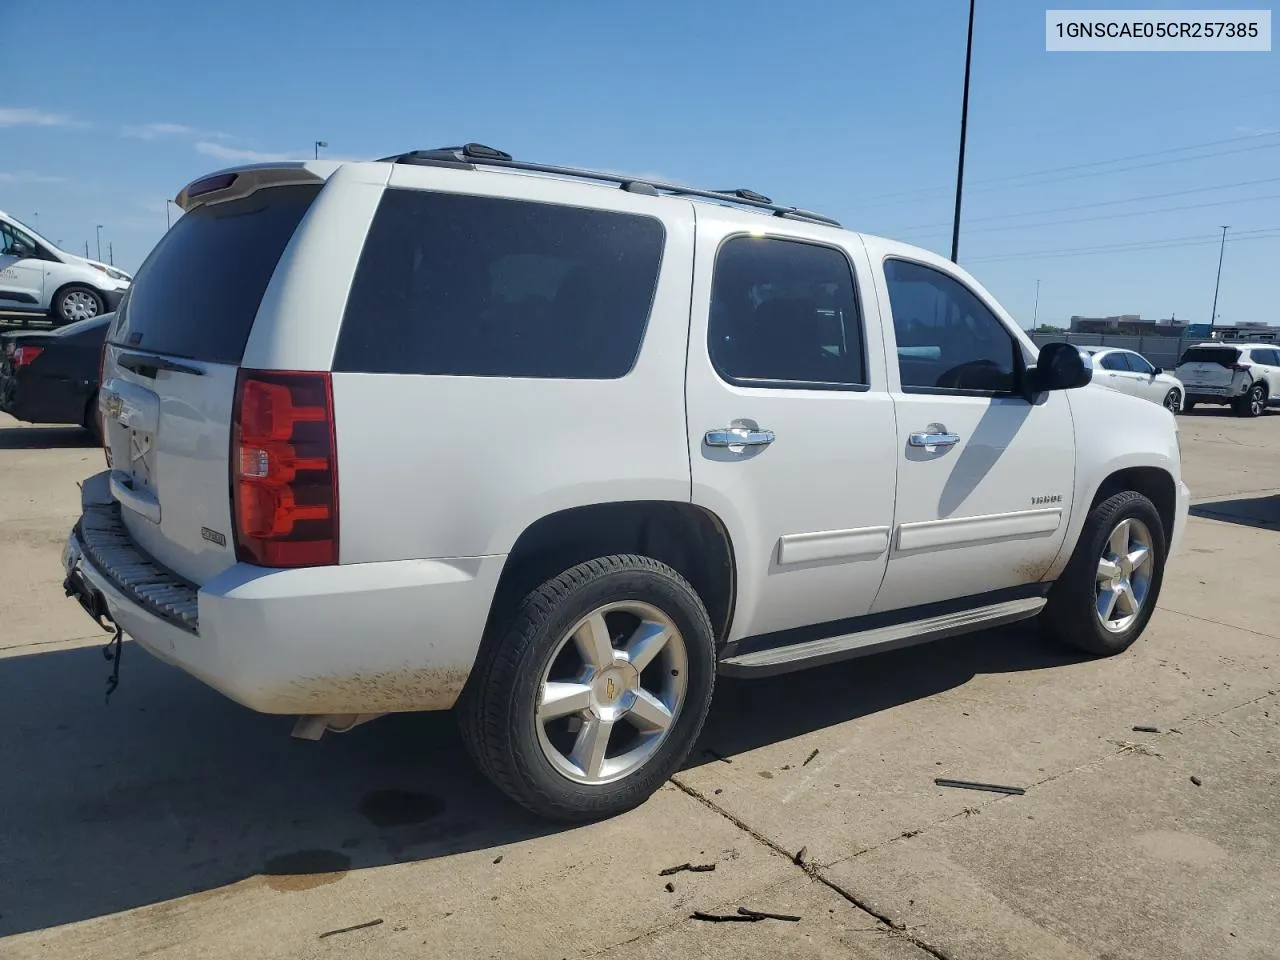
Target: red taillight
[
  {"x": 24, "y": 355},
  {"x": 284, "y": 469},
  {"x": 1241, "y": 367}
]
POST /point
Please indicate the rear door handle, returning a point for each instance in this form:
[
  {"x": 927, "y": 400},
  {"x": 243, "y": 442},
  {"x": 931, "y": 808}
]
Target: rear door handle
[
  {"x": 738, "y": 437},
  {"x": 934, "y": 439}
]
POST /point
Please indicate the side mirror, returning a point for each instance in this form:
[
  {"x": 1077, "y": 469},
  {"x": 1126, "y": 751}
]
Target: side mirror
[
  {"x": 1059, "y": 367},
  {"x": 1159, "y": 370}
]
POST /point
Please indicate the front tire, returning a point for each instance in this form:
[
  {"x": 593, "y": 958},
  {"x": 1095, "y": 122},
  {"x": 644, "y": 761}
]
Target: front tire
[
  {"x": 77, "y": 302},
  {"x": 595, "y": 691},
  {"x": 1105, "y": 597},
  {"x": 1173, "y": 401},
  {"x": 1253, "y": 403},
  {"x": 1188, "y": 406}
]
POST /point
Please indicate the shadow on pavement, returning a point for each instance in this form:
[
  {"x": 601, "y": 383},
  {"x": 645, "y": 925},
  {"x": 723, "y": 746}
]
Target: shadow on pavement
[
  {"x": 747, "y": 714},
  {"x": 44, "y": 438},
  {"x": 1263, "y": 512},
  {"x": 172, "y": 789}
]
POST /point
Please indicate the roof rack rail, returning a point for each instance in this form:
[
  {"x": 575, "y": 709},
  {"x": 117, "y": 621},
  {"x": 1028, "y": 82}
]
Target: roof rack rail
[{"x": 471, "y": 155}]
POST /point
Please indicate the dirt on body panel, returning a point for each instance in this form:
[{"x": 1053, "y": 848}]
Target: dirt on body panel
[{"x": 389, "y": 691}]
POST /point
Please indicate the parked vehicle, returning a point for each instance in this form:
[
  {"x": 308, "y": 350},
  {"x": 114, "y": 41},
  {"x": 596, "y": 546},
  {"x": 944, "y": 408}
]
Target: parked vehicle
[
  {"x": 36, "y": 277},
  {"x": 52, "y": 376},
  {"x": 1246, "y": 376},
  {"x": 419, "y": 433},
  {"x": 1133, "y": 373}
]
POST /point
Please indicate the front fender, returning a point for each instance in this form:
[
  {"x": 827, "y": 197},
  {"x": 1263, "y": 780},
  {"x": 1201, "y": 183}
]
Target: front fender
[{"x": 1114, "y": 432}]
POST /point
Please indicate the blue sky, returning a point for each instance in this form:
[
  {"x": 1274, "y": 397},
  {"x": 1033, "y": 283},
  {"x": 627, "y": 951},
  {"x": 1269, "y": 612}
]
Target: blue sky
[{"x": 848, "y": 108}]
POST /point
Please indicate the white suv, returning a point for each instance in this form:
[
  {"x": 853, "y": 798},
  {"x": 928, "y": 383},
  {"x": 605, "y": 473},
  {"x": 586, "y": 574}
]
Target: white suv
[
  {"x": 406, "y": 434},
  {"x": 36, "y": 277},
  {"x": 1245, "y": 376}
]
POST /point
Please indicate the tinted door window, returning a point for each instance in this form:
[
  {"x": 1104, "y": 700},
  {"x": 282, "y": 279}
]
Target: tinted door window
[
  {"x": 1139, "y": 364},
  {"x": 785, "y": 313},
  {"x": 457, "y": 285},
  {"x": 1114, "y": 361},
  {"x": 947, "y": 339},
  {"x": 198, "y": 292},
  {"x": 1225, "y": 356}
]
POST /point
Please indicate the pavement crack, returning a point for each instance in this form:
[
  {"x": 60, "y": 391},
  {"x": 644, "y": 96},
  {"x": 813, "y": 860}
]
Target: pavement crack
[
  {"x": 1219, "y": 623},
  {"x": 813, "y": 870}
]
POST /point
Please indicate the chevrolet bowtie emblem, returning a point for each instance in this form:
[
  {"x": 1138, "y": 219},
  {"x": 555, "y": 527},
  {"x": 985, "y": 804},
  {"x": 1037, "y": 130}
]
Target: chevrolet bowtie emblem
[{"x": 610, "y": 688}]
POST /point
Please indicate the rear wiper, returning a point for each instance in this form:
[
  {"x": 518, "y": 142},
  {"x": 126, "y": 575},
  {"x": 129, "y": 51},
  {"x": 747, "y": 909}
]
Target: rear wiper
[{"x": 145, "y": 366}]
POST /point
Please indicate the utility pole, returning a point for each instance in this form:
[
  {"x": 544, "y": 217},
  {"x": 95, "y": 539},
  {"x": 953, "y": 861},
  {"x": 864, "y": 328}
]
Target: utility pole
[
  {"x": 1036, "y": 312},
  {"x": 964, "y": 129},
  {"x": 99, "y": 242},
  {"x": 86, "y": 249},
  {"x": 319, "y": 144},
  {"x": 1213, "y": 314},
  {"x": 111, "y": 253},
  {"x": 167, "y": 222},
  {"x": 36, "y": 216}
]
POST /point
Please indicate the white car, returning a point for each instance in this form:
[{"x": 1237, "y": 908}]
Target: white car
[
  {"x": 36, "y": 277},
  {"x": 1246, "y": 376},
  {"x": 1133, "y": 373},
  {"x": 557, "y": 449}
]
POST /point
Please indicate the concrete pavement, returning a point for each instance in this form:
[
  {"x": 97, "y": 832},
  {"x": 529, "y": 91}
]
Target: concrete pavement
[{"x": 173, "y": 823}]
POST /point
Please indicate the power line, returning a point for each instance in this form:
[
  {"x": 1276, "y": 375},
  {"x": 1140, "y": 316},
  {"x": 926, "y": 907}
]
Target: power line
[
  {"x": 1119, "y": 216},
  {"x": 1266, "y": 233},
  {"x": 876, "y": 200},
  {"x": 1098, "y": 203}
]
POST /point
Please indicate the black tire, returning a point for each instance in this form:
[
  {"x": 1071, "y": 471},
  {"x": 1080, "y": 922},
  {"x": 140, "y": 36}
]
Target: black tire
[
  {"x": 92, "y": 422},
  {"x": 59, "y": 314},
  {"x": 1072, "y": 614},
  {"x": 1188, "y": 406},
  {"x": 497, "y": 710},
  {"x": 1172, "y": 401},
  {"x": 1253, "y": 403}
]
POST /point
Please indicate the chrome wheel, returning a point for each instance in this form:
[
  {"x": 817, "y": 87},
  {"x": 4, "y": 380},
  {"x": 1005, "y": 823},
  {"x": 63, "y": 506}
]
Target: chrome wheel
[
  {"x": 1171, "y": 401},
  {"x": 1257, "y": 401},
  {"x": 611, "y": 692},
  {"x": 1124, "y": 575},
  {"x": 78, "y": 305}
]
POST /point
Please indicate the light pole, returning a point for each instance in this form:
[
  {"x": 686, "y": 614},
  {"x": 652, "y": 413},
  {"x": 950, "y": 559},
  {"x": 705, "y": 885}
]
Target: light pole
[
  {"x": 964, "y": 129},
  {"x": 111, "y": 254},
  {"x": 36, "y": 217},
  {"x": 319, "y": 144},
  {"x": 1213, "y": 314},
  {"x": 99, "y": 242}
]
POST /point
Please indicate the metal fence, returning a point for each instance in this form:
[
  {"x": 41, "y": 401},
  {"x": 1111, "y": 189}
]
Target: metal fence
[{"x": 1161, "y": 351}]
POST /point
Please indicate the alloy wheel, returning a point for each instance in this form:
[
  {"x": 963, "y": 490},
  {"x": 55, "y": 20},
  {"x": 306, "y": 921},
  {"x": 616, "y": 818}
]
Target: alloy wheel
[
  {"x": 611, "y": 692},
  {"x": 1124, "y": 575}
]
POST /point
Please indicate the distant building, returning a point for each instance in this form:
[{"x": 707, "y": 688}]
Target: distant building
[{"x": 1127, "y": 324}]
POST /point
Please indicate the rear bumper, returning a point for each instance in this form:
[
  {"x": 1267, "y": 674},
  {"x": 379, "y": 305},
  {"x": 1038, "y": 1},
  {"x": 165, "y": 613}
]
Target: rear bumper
[{"x": 354, "y": 639}]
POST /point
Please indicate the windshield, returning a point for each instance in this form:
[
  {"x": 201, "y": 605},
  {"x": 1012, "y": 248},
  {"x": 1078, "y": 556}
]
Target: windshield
[{"x": 30, "y": 232}]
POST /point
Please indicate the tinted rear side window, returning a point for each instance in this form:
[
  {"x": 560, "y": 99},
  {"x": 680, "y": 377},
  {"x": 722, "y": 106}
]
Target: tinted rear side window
[
  {"x": 1223, "y": 355},
  {"x": 198, "y": 292},
  {"x": 458, "y": 285}
]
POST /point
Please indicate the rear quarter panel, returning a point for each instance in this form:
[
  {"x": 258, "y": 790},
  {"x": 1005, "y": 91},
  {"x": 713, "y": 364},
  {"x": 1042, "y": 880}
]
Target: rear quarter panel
[{"x": 443, "y": 467}]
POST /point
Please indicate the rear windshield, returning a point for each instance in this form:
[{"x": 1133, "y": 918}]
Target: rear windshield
[
  {"x": 457, "y": 285},
  {"x": 1223, "y": 355},
  {"x": 199, "y": 290}
]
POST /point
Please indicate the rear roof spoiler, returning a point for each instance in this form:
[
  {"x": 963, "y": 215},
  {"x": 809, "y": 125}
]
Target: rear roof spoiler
[{"x": 236, "y": 182}]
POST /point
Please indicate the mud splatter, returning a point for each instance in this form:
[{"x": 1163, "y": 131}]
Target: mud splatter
[{"x": 387, "y": 691}]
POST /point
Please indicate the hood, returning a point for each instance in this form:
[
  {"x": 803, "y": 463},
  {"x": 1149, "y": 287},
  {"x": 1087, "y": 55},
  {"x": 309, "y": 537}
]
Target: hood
[{"x": 96, "y": 264}]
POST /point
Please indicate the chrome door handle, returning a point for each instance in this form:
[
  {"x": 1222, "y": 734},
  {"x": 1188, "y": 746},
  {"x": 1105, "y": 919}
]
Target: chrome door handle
[
  {"x": 934, "y": 439},
  {"x": 738, "y": 437}
]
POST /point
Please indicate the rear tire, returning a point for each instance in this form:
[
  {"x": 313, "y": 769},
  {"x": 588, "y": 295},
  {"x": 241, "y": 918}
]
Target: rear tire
[
  {"x": 1106, "y": 595},
  {"x": 1253, "y": 403},
  {"x": 1188, "y": 406},
  {"x": 584, "y": 633},
  {"x": 77, "y": 302},
  {"x": 1173, "y": 401}
]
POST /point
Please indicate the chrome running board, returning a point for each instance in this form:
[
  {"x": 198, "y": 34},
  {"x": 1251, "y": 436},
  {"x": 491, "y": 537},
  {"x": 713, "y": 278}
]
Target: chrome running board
[{"x": 798, "y": 656}]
